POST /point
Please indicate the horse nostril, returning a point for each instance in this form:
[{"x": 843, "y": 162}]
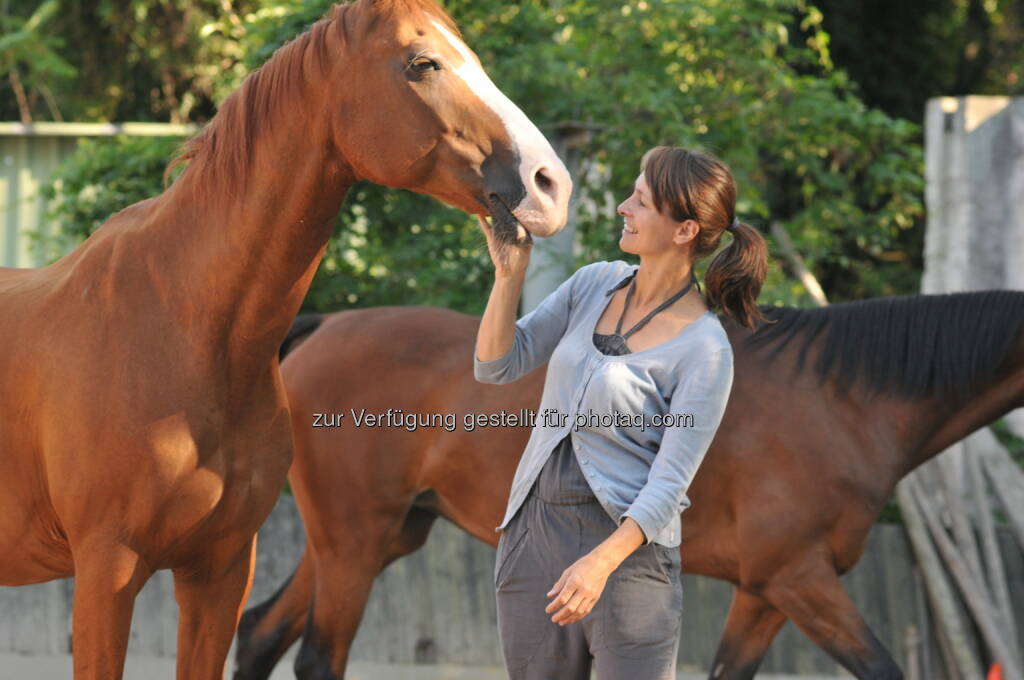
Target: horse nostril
[{"x": 544, "y": 183}]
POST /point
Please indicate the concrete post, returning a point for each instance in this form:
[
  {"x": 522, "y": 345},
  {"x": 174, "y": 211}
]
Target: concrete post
[{"x": 974, "y": 168}]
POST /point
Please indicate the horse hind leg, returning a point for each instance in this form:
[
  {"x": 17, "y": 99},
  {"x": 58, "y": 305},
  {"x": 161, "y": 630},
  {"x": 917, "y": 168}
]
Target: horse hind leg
[
  {"x": 269, "y": 629},
  {"x": 344, "y": 578},
  {"x": 813, "y": 597},
  {"x": 210, "y": 601},
  {"x": 749, "y": 630}
]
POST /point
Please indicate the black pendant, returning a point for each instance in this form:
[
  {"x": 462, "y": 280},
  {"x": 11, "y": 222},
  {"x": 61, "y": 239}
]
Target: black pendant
[{"x": 611, "y": 343}]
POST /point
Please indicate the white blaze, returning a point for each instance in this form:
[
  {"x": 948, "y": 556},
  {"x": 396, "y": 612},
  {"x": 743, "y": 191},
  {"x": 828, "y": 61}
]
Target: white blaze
[{"x": 534, "y": 150}]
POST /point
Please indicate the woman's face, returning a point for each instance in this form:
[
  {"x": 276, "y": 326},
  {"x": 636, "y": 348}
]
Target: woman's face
[{"x": 647, "y": 231}]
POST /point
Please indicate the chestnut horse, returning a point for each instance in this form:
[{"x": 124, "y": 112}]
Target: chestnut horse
[
  {"x": 143, "y": 422},
  {"x": 804, "y": 460}
]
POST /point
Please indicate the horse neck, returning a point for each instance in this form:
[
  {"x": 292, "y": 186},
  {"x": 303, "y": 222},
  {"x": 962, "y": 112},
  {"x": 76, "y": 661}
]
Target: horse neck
[
  {"x": 943, "y": 421},
  {"x": 242, "y": 262}
]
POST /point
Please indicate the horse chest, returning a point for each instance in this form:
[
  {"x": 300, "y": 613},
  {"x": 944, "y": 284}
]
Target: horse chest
[{"x": 227, "y": 491}]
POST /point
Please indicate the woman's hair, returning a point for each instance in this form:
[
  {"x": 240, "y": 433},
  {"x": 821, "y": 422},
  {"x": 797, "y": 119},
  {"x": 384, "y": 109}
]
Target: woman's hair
[{"x": 695, "y": 185}]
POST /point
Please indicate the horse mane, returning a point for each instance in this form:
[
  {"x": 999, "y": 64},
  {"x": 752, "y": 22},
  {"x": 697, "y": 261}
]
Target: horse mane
[
  {"x": 909, "y": 346},
  {"x": 220, "y": 156}
]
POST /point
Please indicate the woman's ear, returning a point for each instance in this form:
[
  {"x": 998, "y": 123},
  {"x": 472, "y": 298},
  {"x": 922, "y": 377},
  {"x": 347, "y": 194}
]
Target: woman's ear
[{"x": 686, "y": 231}]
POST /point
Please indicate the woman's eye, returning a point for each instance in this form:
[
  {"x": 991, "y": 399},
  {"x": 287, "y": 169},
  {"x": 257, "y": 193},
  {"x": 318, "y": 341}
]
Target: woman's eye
[{"x": 423, "y": 65}]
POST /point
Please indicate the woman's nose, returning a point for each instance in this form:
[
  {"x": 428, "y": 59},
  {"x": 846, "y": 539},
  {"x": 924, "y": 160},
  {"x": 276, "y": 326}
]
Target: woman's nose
[{"x": 622, "y": 209}]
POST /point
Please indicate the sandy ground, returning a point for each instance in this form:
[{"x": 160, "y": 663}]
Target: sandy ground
[{"x": 18, "y": 667}]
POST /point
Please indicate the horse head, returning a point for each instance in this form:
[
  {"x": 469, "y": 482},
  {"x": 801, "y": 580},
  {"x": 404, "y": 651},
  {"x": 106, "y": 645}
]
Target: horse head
[{"x": 421, "y": 114}]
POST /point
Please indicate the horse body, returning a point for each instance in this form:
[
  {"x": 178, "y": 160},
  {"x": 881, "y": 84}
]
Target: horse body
[
  {"x": 781, "y": 506},
  {"x": 144, "y": 421},
  {"x": 143, "y": 400}
]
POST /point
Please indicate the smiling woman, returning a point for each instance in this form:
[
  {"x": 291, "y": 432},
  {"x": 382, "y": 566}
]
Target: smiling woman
[{"x": 593, "y": 517}]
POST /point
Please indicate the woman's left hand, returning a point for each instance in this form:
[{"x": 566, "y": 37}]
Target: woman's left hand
[{"x": 578, "y": 589}]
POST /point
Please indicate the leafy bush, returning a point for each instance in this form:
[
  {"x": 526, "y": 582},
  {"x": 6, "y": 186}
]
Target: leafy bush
[
  {"x": 103, "y": 176},
  {"x": 728, "y": 76}
]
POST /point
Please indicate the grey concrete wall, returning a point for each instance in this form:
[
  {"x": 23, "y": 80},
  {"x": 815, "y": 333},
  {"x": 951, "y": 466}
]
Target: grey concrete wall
[{"x": 437, "y": 605}]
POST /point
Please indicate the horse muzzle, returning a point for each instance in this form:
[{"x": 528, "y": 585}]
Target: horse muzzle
[{"x": 533, "y": 197}]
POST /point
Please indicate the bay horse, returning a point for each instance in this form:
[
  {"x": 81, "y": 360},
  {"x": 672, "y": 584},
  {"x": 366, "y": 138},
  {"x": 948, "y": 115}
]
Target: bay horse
[
  {"x": 829, "y": 409},
  {"x": 143, "y": 421}
]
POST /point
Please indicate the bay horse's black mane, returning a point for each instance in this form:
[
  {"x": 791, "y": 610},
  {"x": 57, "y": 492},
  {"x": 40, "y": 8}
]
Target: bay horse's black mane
[{"x": 909, "y": 346}]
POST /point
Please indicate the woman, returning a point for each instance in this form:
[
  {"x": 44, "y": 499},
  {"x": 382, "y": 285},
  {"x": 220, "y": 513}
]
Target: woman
[{"x": 588, "y": 564}]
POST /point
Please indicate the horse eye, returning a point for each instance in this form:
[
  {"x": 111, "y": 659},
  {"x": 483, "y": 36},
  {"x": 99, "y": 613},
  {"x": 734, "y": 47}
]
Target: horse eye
[{"x": 423, "y": 64}]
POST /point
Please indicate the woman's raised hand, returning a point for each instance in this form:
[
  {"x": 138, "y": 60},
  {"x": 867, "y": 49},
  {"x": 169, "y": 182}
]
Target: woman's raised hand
[{"x": 509, "y": 259}]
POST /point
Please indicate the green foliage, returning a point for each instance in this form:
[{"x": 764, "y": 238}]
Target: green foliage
[
  {"x": 749, "y": 80},
  {"x": 103, "y": 176},
  {"x": 147, "y": 60},
  {"x": 1013, "y": 443},
  {"x": 28, "y": 56},
  {"x": 900, "y": 54},
  {"x": 396, "y": 247},
  {"x": 891, "y": 513}
]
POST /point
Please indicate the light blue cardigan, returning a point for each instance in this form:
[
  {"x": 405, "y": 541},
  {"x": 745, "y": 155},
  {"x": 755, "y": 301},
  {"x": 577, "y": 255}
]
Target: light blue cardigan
[{"x": 637, "y": 467}]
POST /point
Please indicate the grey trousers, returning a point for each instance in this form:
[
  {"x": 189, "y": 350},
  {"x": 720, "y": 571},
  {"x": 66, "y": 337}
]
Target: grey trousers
[{"x": 633, "y": 631}]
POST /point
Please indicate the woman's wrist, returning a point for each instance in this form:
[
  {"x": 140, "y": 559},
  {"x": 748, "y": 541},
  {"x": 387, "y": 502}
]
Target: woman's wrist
[
  {"x": 614, "y": 550},
  {"x": 507, "y": 276}
]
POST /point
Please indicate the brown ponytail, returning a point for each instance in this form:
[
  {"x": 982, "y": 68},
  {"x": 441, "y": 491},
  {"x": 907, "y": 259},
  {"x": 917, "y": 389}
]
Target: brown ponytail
[
  {"x": 695, "y": 185},
  {"x": 734, "y": 277}
]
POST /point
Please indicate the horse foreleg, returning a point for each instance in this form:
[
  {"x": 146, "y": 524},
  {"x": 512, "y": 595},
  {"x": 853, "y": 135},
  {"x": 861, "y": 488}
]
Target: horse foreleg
[
  {"x": 749, "y": 630},
  {"x": 107, "y": 579},
  {"x": 269, "y": 629},
  {"x": 210, "y": 599},
  {"x": 812, "y": 596}
]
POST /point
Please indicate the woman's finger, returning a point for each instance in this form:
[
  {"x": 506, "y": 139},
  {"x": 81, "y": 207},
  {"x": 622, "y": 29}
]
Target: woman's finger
[
  {"x": 568, "y": 613},
  {"x": 585, "y": 608},
  {"x": 567, "y": 592},
  {"x": 559, "y": 583}
]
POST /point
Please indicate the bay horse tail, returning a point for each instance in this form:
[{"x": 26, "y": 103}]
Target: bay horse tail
[
  {"x": 269, "y": 629},
  {"x": 304, "y": 325}
]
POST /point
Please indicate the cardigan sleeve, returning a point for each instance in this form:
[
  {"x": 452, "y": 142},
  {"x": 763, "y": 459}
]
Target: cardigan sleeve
[
  {"x": 704, "y": 392},
  {"x": 536, "y": 334}
]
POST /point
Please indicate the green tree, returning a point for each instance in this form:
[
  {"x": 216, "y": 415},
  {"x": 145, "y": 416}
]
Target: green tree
[
  {"x": 901, "y": 54},
  {"x": 749, "y": 80},
  {"x": 29, "y": 59},
  {"x": 103, "y": 176},
  {"x": 134, "y": 60}
]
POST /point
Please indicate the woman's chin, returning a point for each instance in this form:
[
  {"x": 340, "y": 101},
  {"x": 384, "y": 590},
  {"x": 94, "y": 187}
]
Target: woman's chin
[{"x": 626, "y": 246}]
